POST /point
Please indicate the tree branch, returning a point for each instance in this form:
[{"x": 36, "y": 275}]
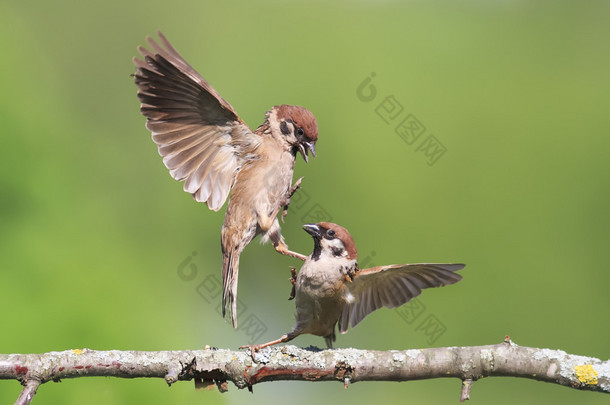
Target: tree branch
[
  {"x": 217, "y": 366},
  {"x": 27, "y": 393}
]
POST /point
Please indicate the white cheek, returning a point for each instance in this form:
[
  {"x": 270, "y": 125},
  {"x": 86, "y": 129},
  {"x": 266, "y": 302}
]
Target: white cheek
[
  {"x": 334, "y": 244},
  {"x": 275, "y": 123}
]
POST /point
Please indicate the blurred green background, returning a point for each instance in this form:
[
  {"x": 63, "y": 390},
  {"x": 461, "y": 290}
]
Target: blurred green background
[{"x": 94, "y": 231}]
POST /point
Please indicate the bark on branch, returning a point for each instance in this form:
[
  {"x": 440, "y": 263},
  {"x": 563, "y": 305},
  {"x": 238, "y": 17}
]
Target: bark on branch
[{"x": 217, "y": 366}]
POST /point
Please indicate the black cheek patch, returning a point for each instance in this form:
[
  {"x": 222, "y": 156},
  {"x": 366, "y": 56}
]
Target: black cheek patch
[
  {"x": 284, "y": 128},
  {"x": 337, "y": 251}
]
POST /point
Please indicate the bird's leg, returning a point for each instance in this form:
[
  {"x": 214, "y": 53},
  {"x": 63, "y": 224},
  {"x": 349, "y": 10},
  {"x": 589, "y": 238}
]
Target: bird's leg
[
  {"x": 289, "y": 195},
  {"x": 255, "y": 348},
  {"x": 282, "y": 248},
  {"x": 293, "y": 281},
  {"x": 270, "y": 226}
]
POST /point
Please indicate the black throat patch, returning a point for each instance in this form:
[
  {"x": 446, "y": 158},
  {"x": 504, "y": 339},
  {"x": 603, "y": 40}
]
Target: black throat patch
[{"x": 317, "y": 249}]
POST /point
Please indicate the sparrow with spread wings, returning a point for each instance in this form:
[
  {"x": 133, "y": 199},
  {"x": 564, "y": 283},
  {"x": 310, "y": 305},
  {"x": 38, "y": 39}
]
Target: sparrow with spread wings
[
  {"x": 331, "y": 290},
  {"x": 204, "y": 143}
]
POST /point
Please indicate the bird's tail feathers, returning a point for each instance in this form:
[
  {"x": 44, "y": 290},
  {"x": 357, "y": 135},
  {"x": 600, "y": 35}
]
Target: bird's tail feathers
[{"x": 230, "y": 270}]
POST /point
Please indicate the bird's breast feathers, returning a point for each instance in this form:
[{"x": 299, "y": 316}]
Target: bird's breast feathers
[{"x": 319, "y": 280}]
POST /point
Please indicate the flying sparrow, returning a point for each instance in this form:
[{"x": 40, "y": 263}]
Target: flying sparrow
[
  {"x": 331, "y": 289},
  {"x": 204, "y": 143}
]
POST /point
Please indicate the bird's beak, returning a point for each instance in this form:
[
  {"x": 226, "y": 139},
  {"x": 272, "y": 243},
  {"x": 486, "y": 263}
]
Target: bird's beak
[
  {"x": 313, "y": 230},
  {"x": 304, "y": 147}
]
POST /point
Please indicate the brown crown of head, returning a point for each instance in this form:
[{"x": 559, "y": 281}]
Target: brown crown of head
[
  {"x": 301, "y": 117},
  {"x": 344, "y": 236}
]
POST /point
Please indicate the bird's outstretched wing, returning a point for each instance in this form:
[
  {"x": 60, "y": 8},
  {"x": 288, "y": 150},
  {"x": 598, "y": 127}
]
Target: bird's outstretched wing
[
  {"x": 392, "y": 286},
  {"x": 199, "y": 135}
]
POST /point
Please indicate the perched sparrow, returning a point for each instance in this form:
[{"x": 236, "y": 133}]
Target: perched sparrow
[
  {"x": 203, "y": 141},
  {"x": 331, "y": 289}
]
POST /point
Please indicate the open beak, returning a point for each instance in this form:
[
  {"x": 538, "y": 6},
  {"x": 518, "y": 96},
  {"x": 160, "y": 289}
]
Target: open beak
[
  {"x": 313, "y": 230},
  {"x": 305, "y": 147}
]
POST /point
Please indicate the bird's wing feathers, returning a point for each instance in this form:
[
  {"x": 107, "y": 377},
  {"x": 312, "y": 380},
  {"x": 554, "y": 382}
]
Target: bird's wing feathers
[
  {"x": 199, "y": 135},
  {"x": 392, "y": 286}
]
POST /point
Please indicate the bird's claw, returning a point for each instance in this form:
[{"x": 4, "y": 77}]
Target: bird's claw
[
  {"x": 289, "y": 195},
  {"x": 253, "y": 349},
  {"x": 296, "y": 186}
]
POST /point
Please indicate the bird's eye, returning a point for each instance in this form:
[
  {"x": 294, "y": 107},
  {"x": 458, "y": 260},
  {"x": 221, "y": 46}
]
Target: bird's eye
[
  {"x": 300, "y": 131},
  {"x": 330, "y": 233}
]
